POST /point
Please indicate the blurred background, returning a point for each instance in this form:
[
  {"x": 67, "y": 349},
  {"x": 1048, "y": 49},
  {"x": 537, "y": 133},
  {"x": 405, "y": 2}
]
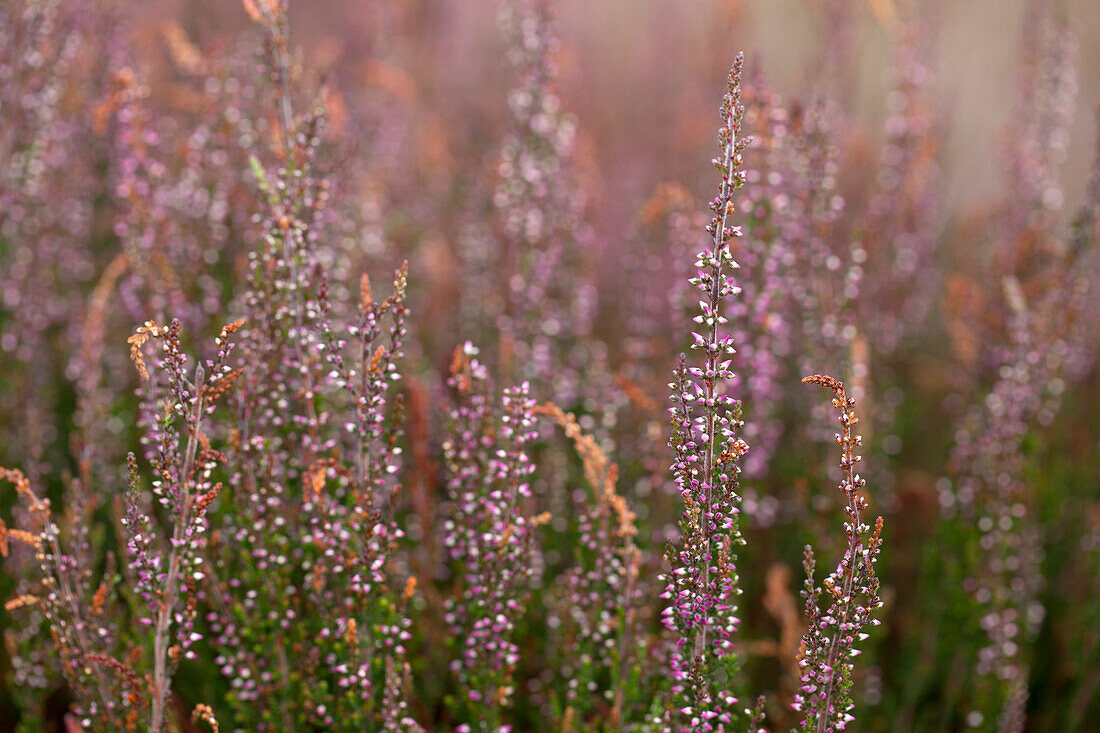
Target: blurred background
[{"x": 642, "y": 77}]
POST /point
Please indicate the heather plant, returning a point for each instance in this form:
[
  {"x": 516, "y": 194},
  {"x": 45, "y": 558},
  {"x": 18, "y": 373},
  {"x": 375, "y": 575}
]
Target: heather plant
[
  {"x": 851, "y": 591},
  {"x": 165, "y": 578},
  {"x": 122, "y": 675},
  {"x": 489, "y": 539},
  {"x": 541, "y": 239},
  {"x": 601, "y": 597},
  {"x": 325, "y": 524},
  {"x": 702, "y": 581},
  {"x": 1038, "y": 321},
  {"x": 303, "y": 562},
  {"x": 993, "y": 485}
]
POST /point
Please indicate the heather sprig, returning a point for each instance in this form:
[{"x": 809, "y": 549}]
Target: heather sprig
[
  {"x": 489, "y": 537},
  {"x": 310, "y": 610},
  {"x": 850, "y": 592},
  {"x": 898, "y": 230},
  {"x": 165, "y": 578},
  {"x": 993, "y": 496},
  {"x": 702, "y": 583},
  {"x": 62, "y": 596},
  {"x": 161, "y": 571},
  {"x": 1048, "y": 344},
  {"x": 1036, "y": 339},
  {"x": 370, "y": 380}
]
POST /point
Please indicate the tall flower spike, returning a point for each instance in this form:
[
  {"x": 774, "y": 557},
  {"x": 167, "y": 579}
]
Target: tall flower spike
[
  {"x": 825, "y": 698},
  {"x": 702, "y": 586}
]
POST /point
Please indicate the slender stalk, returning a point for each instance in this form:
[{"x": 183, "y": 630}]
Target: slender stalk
[
  {"x": 850, "y": 560},
  {"x": 721, "y": 241},
  {"x": 175, "y": 557},
  {"x": 829, "y": 642},
  {"x": 274, "y": 15}
]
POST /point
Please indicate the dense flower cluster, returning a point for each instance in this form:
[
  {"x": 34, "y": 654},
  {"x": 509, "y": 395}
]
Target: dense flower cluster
[
  {"x": 163, "y": 572},
  {"x": 488, "y": 538}
]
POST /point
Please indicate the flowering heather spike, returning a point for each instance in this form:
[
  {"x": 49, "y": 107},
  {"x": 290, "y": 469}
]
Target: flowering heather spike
[
  {"x": 307, "y": 557},
  {"x": 702, "y": 585},
  {"x": 370, "y": 380},
  {"x": 851, "y": 592},
  {"x": 991, "y": 496},
  {"x": 61, "y": 602},
  {"x": 1048, "y": 341},
  {"x": 166, "y": 577},
  {"x": 488, "y": 537},
  {"x": 1042, "y": 339}
]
